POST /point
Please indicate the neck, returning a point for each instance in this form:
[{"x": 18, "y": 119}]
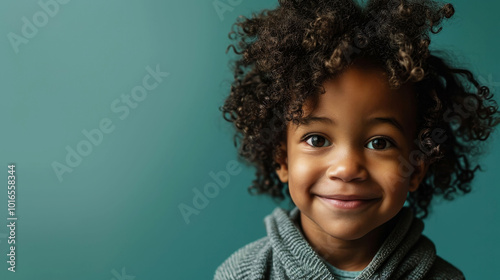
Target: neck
[{"x": 349, "y": 255}]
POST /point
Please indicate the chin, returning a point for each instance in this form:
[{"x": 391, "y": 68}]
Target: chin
[
  {"x": 347, "y": 227},
  {"x": 347, "y": 233}
]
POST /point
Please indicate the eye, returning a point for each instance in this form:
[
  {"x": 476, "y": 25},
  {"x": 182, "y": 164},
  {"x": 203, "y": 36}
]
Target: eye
[
  {"x": 379, "y": 143},
  {"x": 317, "y": 141}
]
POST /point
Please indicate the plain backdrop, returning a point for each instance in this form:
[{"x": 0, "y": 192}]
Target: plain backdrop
[{"x": 114, "y": 213}]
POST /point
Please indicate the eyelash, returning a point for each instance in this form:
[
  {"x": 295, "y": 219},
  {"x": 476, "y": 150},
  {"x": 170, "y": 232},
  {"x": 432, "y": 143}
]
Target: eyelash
[{"x": 391, "y": 142}]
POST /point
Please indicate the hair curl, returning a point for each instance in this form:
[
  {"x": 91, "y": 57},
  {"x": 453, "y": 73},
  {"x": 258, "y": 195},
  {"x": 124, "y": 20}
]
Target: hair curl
[{"x": 285, "y": 55}]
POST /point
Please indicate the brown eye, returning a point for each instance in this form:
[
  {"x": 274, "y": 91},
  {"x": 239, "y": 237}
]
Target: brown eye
[
  {"x": 379, "y": 144},
  {"x": 317, "y": 141}
]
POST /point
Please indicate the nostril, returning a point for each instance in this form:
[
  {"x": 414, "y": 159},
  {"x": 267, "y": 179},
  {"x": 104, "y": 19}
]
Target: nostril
[{"x": 347, "y": 171}]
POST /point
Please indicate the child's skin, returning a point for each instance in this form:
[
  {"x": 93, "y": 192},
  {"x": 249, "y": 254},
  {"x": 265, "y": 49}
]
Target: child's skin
[{"x": 351, "y": 148}]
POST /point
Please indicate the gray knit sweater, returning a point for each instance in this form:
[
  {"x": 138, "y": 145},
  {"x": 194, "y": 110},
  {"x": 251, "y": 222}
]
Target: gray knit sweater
[{"x": 285, "y": 254}]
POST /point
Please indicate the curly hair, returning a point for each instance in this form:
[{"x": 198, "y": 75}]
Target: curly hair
[{"x": 284, "y": 55}]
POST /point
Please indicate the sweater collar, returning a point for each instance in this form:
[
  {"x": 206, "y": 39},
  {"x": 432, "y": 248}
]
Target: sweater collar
[{"x": 396, "y": 256}]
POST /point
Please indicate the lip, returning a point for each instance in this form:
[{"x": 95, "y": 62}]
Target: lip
[{"x": 348, "y": 202}]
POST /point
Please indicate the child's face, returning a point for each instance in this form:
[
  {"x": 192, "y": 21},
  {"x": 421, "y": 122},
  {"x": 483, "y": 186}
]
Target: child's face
[{"x": 343, "y": 166}]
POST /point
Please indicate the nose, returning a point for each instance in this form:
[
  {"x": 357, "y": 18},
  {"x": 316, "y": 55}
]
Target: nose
[{"x": 348, "y": 166}]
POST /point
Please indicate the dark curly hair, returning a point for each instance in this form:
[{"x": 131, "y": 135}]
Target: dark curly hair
[{"x": 284, "y": 55}]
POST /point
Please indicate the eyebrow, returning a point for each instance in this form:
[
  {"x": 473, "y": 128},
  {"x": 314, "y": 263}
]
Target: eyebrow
[
  {"x": 316, "y": 119},
  {"x": 312, "y": 119}
]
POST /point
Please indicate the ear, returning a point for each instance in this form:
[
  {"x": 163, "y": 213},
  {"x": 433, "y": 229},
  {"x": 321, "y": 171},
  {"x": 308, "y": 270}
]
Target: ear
[
  {"x": 418, "y": 174},
  {"x": 282, "y": 160}
]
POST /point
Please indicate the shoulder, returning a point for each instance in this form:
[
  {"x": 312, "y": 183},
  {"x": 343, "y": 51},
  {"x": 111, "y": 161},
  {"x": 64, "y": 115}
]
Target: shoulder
[
  {"x": 249, "y": 260},
  {"x": 442, "y": 269}
]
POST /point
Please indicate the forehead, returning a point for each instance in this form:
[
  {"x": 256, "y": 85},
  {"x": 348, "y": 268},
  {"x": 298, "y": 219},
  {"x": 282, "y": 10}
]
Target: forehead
[{"x": 361, "y": 92}]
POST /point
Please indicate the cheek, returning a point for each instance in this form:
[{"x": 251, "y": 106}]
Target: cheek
[
  {"x": 303, "y": 174},
  {"x": 389, "y": 176}
]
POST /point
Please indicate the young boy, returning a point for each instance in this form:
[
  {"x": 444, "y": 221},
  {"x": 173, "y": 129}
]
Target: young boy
[{"x": 345, "y": 110}]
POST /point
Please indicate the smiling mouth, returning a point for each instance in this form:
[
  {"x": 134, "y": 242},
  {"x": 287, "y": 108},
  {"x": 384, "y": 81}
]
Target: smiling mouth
[{"x": 348, "y": 202}]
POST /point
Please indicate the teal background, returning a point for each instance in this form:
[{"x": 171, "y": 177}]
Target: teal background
[{"x": 118, "y": 209}]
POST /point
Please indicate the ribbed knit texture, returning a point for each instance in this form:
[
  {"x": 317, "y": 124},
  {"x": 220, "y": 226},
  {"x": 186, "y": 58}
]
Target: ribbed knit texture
[{"x": 285, "y": 254}]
